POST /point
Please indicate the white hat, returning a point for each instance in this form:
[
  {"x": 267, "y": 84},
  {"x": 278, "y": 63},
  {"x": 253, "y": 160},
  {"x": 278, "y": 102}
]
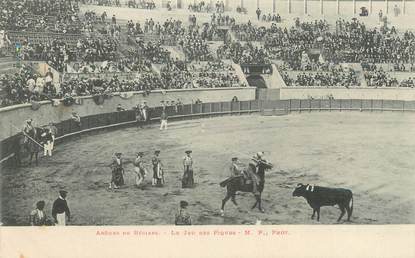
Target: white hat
[{"x": 260, "y": 154}]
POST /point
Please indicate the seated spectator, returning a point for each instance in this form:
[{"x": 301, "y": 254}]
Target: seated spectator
[
  {"x": 120, "y": 108},
  {"x": 336, "y": 77}
]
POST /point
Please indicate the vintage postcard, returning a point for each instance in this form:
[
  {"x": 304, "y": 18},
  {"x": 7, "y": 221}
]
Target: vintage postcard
[{"x": 188, "y": 128}]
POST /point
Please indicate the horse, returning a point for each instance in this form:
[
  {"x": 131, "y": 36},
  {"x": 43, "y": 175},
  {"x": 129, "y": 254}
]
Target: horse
[
  {"x": 235, "y": 184},
  {"x": 32, "y": 144}
]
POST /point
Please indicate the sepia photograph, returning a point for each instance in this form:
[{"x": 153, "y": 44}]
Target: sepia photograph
[{"x": 189, "y": 112}]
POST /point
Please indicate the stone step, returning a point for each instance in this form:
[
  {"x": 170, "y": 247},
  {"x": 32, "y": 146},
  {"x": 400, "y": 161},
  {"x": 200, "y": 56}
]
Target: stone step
[
  {"x": 7, "y": 59},
  {"x": 9, "y": 70}
]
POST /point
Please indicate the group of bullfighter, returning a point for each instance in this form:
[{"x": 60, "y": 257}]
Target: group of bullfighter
[
  {"x": 158, "y": 179},
  {"x": 140, "y": 171}
]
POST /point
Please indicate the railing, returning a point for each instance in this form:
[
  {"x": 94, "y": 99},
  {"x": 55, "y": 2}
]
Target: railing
[{"x": 68, "y": 128}]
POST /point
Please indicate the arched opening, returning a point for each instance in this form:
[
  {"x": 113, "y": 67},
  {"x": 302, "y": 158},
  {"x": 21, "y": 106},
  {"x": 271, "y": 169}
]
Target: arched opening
[{"x": 256, "y": 81}]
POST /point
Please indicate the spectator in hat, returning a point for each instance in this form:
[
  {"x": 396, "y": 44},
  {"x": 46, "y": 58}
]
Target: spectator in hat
[
  {"x": 258, "y": 13},
  {"x": 182, "y": 217},
  {"x": 188, "y": 180},
  {"x": 38, "y": 216},
  {"x": 60, "y": 209}
]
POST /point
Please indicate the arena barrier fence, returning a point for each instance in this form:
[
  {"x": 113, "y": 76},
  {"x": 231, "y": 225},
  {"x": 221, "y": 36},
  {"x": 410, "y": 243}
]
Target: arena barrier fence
[{"x": 68, "y": 128}]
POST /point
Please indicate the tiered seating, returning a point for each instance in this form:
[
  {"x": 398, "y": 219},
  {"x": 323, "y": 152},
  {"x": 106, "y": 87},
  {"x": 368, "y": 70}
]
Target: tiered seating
[
  {"x": 337, "y": 76},
  {"x": 214, "y": 75},
  {"x": 383, "y": 75},
  {"x": 308, "y": 53},
  {"x": 44, "y": 38}
]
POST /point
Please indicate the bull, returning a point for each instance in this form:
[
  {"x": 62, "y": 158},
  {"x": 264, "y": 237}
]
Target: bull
[{"x": 318, "y": 196}]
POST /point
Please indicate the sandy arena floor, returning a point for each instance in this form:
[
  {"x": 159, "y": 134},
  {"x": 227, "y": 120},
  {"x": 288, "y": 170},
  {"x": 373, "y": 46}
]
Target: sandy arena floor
[{"x": 373, "y": 154}]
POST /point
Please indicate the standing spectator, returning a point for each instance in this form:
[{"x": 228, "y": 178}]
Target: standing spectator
[
  {"x": 49, "y": 74},
  {"x": 40, "y": 83},
  {"x": 103, "y": 17},
  {"x": 163, "y": 119},
  {"x": 380, "y": 15},
  {"x": 31, "y": 84},
  {"x": 114, "y": 20},
  {"x": 38, "y": 216},
  {"x": 60, "y": 209},
  {"x": 258, "y": 13},
  {"x": 396, "y": 10},
  {"x": 48, "y": 82}
]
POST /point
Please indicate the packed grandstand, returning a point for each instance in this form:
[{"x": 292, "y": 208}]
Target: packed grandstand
[{"x": 95, "y": 53}]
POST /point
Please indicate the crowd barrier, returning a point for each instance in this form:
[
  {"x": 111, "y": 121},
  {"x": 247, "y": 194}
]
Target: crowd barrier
[{"x": 91, "y": 123}]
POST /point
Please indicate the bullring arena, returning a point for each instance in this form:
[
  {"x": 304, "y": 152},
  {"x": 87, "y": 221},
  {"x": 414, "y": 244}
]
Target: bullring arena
[
  {"x": 325, "y": 108},
  {"x": 308, "y": 148}
]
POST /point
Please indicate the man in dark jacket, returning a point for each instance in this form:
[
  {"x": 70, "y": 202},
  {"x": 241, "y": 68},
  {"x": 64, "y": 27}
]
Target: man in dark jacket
[
  {"x": 258, "y": 13},
  {"x": 60, "y": 209}
]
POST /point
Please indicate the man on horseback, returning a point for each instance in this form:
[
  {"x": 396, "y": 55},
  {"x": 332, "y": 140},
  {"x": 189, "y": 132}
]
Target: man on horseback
[
  {"x": 28, "y": 129},
  {"x": 235, "y": 170},
  {"x": 255, "y": 172},
  {"x": 32, "y": 137}
]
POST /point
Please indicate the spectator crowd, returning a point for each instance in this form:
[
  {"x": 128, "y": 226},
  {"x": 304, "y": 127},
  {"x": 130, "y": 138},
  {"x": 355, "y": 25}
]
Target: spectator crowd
[
  {"x": 313, "y": 48},
  {"x": 337, "y": 77}
]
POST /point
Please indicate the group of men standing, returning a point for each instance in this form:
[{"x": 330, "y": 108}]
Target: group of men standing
[{"x": 140, "y": 171}]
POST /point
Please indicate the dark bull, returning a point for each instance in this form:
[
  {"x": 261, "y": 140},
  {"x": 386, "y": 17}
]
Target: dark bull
[{"x": 318, "y": 196}]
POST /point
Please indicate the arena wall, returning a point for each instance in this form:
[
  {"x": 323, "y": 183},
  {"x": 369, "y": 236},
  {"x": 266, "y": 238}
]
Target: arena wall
[
  {"x": 103, "y": 121},
  {"x": 344, "y": 93},
  {"x": 13, "y": 117}
]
